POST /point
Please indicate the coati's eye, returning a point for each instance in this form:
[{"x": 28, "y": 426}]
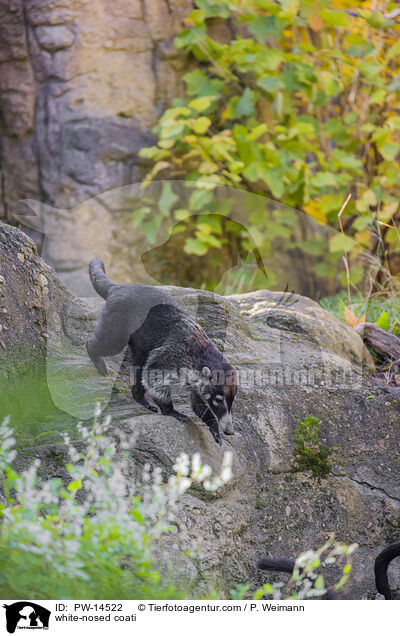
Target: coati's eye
[{"x": 218, "y": 400}]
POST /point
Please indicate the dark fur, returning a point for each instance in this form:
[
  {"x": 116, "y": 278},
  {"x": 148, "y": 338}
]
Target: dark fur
[
  {"x": 161, "y": 337},
  {"x": 382, "y": 562}
]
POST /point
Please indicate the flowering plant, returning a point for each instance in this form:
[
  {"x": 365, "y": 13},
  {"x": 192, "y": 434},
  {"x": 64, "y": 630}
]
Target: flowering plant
[{"x": 94, "y": 537}]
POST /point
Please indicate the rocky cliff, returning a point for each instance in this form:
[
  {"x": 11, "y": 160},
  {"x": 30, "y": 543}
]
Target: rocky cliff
[
  {"x": 81, "y": 85},
  {"x": 294, "y": 359}
]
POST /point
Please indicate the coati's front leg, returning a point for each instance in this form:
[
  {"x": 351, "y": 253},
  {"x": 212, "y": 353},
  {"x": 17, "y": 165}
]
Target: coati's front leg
[
  {"x": 160, "y": 394},
  {"x": 139, "y": 391},
  {"x": 203, "y": 411},
  {"x": 167, "y": 408},
  {"x": 139, "y": 395}
]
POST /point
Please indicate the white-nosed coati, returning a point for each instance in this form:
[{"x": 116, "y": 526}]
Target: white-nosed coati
[{"x": 164, "y": 340}]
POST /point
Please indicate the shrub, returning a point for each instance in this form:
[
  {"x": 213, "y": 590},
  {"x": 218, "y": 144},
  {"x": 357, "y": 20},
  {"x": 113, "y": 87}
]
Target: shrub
[
  {"x": 94, "y": 538},
  {"x": 297, "y": 101},
  {"x": 310, "y": 454}
]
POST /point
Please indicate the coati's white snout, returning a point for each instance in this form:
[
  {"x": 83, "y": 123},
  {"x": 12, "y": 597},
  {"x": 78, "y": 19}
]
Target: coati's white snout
[{"x": 226, "y": 424}]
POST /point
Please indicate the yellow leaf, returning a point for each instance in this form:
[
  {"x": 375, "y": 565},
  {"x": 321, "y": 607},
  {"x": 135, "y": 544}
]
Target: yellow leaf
[
  {"x": 313, "y": 208},
  {"x": 352, "y": 319},
  {"x": 201, "y": 103},
  {"x": 200, "y": 125}
]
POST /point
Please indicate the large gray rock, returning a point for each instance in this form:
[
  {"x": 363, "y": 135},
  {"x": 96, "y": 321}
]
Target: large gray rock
[{"x": 294, "y": 359}]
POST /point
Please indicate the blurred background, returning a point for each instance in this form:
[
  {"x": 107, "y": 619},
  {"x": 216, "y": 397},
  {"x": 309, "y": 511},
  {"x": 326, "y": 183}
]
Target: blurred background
[{"x": 224, "y": 145}]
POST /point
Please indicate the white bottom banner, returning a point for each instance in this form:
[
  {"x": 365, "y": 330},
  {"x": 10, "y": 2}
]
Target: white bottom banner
[{"x": 169, "y": 617}]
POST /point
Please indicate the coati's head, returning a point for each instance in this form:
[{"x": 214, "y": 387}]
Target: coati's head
[{"x": 213, "y": 398}]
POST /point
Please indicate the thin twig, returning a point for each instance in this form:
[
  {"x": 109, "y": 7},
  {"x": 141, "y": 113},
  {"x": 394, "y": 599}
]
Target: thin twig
[{"x": 345, "y": 260}]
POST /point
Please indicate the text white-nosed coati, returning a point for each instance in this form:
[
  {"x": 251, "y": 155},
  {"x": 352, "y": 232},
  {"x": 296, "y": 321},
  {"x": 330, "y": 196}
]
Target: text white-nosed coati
[{"x": 164, "y": 340}]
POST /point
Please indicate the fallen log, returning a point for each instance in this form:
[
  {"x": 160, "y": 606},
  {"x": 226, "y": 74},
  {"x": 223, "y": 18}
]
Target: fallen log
[{"x": 384, "y": 342}]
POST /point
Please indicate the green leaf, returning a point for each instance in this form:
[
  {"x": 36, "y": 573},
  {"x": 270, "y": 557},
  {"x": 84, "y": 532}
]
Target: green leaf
[
  {"x": 213, "y": 9},
  {"x": 259, "y": 28},
  {"x": 323, "y": 180},
  {"x": 181, "y": 214},
  {"x": 394, "y": 51},
  {"x": 334, "y": 17},
  {"x": 149, "y": 228},
  {"x": 341, "y": 243},
  {"x": 209, "y": 239},
  {"x": 199, "y": 198},
  {"x": 383, "y": 321},
  {"x": 389, "y": 150},
  {"x": 271, "y": 84},
  {"x": 195, "y": 246},
  {"x": 74, "y": 485},
  {"x": 273, "y": 180},
  {"x": 189, "y": 37},
  {"x": 245, "y": 104},
  {"x": 139, "y": 214},
  {"x": 201, "y": 125},
  {"x": 319, "y": 582},
  {"x": 198, "y": 83},
  {"x": 263, "y": 27},
  {"x": 256, "y": 132},
  {"x": 251, "y": 172},
  {"x": 167, "y": 198},
  {"x": 394, "y": 85},
  {"x": 269, "y": 60},
  {"x": 137, "y": 515},
  {"x": 174, "y": 129}
]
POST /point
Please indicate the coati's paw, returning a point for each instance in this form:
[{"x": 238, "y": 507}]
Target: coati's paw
[
  {"x": 217, "y": 438},
  {"x": 101, "y": 367},
  {"x": 181, "y": 417}
]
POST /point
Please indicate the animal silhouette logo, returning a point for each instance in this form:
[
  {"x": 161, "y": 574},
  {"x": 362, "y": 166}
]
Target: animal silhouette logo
[{"x": 26, "y": 615}]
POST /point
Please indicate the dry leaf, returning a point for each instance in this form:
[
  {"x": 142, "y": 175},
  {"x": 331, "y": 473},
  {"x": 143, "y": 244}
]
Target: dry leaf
[{"x": 352, "y": 319}]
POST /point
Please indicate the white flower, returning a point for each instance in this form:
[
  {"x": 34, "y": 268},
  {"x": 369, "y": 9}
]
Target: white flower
[{"x": 182, "y": 464}]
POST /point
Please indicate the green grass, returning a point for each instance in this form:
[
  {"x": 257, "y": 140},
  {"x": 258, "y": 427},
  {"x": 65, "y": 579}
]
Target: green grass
[{"x": 34, "y": 416}]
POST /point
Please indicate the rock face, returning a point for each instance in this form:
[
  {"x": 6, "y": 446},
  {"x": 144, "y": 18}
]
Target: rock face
[
  {"x": 81, "y": 85},
  {"x": 294, "y": 360}
]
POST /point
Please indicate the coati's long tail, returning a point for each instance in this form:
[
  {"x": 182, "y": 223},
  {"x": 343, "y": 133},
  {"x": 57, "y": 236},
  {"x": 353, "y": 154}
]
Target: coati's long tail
[
  {"x": 99, "y": 278},
  {"x": 276, "y": 565},
  {"x": 287, "y": 565},
  {"x": 382, "y": 562}
]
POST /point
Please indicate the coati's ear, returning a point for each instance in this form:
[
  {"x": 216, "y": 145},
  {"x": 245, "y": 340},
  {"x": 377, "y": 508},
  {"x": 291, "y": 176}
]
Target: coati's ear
[{"x": 206, "y": 373}]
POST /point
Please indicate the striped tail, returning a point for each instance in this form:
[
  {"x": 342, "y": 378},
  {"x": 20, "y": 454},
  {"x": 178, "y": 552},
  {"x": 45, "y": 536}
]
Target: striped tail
[{"x": 99, "y": 279}]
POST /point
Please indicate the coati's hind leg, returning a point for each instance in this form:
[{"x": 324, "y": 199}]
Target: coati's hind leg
[
  {"x": 138, "y": 390},
  {"x": 108, "y": 340},
  {"x": 91, "y": 348}
]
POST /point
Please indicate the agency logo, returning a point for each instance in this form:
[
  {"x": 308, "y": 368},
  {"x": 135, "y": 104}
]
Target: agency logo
[{"x": 26, "y": 615}]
